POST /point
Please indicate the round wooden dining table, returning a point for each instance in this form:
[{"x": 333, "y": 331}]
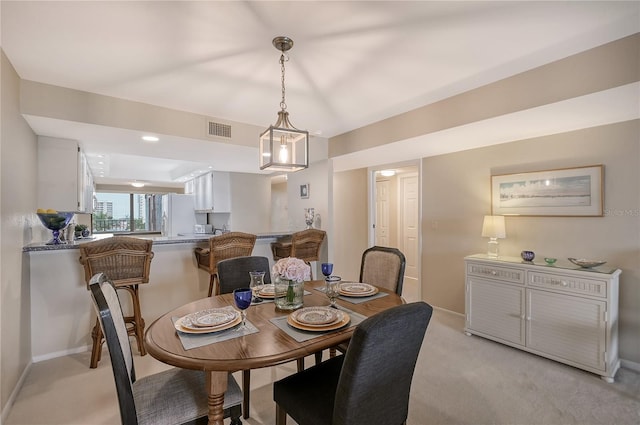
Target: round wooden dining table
[{"x": 267, "y": 347}]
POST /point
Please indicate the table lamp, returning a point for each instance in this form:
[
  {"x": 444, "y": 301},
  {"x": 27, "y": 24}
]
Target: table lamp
[{"x": 493, "y": 228}]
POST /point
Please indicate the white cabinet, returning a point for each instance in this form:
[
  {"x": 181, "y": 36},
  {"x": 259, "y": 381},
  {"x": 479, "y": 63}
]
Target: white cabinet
[
  {"x": 561, "y": 312},
  {"x": 65, "y": 182},
  {"x": 212, "y": 192}
]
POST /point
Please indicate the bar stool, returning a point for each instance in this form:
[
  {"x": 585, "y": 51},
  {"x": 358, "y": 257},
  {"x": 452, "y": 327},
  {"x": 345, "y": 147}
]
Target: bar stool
[
  {"x": 227, "y": 245},
  {"x": 304, "y": 245},
  {"x": 126, "y": 261}
]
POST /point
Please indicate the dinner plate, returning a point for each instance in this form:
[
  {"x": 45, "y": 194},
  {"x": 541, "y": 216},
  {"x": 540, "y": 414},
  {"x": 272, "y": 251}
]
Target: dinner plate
[
  {"x": 180, "y": 327},
  {"x": 330, "y": 327},
  {"x": 357, "y": 289},
  {"x": 209, "y": 318},
  {"x": 267, "y": 291},
  {"x": 316, "y": 316}
]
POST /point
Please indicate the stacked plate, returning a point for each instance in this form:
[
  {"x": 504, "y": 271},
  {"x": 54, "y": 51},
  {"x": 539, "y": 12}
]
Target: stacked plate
[
  {"x": 207, "y": 321},
  {"x": 267, "y": 291},
  {"x": 318, "y": 319},
  {"x": 357, "y": 289}
]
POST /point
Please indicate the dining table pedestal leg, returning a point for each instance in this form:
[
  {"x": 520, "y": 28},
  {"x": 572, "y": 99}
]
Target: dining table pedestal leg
[{"x": 216, "y": 387}]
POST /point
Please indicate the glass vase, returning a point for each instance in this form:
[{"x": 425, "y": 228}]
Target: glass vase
[{"x": 288, "y": 294}]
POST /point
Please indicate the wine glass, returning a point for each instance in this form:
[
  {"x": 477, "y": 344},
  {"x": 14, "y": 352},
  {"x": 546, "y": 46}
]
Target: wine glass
[
  {"x": 242, "y": 298},
  {"x": 332, "y": 289},
  {"x": 327, "y": 269},
  {"x": 257, "y": 282}
]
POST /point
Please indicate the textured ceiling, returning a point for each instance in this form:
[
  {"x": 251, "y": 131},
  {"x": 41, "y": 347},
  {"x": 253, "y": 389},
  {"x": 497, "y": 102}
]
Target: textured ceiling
[{"x": 353, "y": 63}]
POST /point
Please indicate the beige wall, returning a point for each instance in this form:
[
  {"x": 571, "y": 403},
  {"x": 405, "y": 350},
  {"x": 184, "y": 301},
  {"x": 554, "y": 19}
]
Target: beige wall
[
  {"x": 18, "y": 159},
  {"x": 350, "y": 221},
  {"x": 250, "y": 202},
  {"x": 279, "y": 207},
  {"x": 456, "y": 195}
]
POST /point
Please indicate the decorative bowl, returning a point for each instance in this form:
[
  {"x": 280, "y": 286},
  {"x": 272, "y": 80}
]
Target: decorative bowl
[
  {"x": 528, "y": 255},
  {"x": 587, "y": 264},
  {"x": 55, "y": 222},
  {"x": 550, "y": 260}
]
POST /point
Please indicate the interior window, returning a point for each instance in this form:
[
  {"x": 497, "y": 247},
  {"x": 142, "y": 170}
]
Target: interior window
[{"x": 127, "y": 212}]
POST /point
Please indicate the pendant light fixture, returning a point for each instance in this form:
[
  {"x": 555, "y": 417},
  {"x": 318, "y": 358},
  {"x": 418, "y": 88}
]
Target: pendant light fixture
[{"x": 282, "y": 146}]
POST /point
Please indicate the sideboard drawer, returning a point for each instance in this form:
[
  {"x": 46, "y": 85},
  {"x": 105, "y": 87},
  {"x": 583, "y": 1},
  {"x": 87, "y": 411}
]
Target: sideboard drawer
[
  {"x": 505, "y": 274},
  {"x": 596, "y": 288}
]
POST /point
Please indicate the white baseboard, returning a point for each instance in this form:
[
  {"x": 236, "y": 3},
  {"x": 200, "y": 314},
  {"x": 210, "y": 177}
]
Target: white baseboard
[
  {"x": 448, "y": 311},
  {"x": 628, "y": 364},
  {"x": 14, "y": 394},
  {"x": 53, "y": 355}
]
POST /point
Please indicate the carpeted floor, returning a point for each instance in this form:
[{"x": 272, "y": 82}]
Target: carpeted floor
[{"x": 458, "y": 380}]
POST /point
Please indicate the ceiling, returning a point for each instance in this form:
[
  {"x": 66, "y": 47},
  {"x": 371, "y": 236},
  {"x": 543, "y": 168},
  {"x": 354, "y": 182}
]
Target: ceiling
[{"x": 353, "y": 63}]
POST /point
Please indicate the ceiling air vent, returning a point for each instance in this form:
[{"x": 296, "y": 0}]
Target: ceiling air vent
[{"x": 219, "y": 130}]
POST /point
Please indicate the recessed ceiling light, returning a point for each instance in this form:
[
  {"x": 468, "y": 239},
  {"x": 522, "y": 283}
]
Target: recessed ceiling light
[
  {"x": 150, "y": 138},
  {"x": 137, "y": 184},
  {"x": 388, "y": 173}
]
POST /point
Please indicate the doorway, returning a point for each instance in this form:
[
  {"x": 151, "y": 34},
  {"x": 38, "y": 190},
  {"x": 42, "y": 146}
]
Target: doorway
[{"x": 395, "y": 215}]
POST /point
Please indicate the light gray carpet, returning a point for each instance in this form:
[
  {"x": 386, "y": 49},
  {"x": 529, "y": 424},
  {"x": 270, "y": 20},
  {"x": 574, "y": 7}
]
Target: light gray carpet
[{"x": 459, "y": 380}]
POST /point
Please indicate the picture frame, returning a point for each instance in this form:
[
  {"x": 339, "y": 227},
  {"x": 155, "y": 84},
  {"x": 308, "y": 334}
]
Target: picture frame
[
  {"x": 304, "y": 191},
  {"x": 570, "y": 192}
]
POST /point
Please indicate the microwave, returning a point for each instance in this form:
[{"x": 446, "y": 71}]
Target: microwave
[{"x": 203, "y": 228}]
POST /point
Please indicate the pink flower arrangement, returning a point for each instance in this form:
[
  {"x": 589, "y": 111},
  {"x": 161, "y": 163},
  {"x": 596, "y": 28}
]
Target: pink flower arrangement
[{"x": 291, "y": 268}]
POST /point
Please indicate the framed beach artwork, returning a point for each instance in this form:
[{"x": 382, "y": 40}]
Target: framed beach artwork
[{"x": 562, "y": 192}]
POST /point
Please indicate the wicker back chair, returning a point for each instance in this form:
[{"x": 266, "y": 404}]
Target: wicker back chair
[
  {"x": 126, "y": 262},
  {"x": 222, "y": 247},
  {"x": 304, "y": 245}
]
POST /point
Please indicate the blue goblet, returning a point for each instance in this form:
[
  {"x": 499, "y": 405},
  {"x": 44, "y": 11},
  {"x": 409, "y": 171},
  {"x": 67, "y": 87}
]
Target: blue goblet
[
  {"x": 242, "y": 298},
  {"x": 327, "y": 269}
]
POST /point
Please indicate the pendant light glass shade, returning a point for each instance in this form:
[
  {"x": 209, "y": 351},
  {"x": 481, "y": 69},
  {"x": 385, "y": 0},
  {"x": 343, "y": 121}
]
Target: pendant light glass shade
[{"x": 283, "y": 147}]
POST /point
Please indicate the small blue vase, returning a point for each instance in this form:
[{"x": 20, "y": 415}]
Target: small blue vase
[{"x": 527, "y": 255}]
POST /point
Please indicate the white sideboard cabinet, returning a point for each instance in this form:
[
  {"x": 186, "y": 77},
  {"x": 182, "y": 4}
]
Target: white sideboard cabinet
[
  {"x": 65, "y": 182},
  {"x": 562, "y": 312}
]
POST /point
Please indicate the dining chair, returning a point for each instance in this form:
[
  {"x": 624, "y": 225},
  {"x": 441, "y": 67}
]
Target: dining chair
[
  {"x": 222, "y": 247},
  {"x": 127, "y": 262},
  {"x": 383, "y": 267},
  {"x": 370, "y": 384},
  {"x": 174, "y": 396},
  {"x": 233, "y": 273}
]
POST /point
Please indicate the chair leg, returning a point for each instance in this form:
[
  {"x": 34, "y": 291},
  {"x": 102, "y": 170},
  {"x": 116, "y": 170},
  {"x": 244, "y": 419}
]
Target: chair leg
[
  {"x": 246, "y": 391},
  {"x": 96, "y": 349},
  {"x": 139, "y": 321},
  {"x": 281, "y": 415},
  {"x": 332, "y": 352},
  {"x": 212, "y": 281},
  {"x": 318, "y": 355},
  {"x": 300, "y": 363},
  {"x": 234, "y": 413}
]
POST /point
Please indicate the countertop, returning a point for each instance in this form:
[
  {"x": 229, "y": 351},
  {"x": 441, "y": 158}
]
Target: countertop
[{"x": 157, "y": 240}]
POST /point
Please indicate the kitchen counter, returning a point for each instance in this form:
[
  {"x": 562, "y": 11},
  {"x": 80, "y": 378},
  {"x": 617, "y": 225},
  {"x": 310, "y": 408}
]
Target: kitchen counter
[
  {"x": 61, "y": 310},
  {"x": 157, "y": 240}
]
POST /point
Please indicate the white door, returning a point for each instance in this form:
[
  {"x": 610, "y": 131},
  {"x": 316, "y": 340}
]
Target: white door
[
  {"x": 382, "y": 213},
  {"x": 409, "y": 229}
]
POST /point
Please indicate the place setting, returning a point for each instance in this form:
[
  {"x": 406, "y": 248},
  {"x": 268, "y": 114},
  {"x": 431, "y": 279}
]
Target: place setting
[{"x": 216, "y": 324}]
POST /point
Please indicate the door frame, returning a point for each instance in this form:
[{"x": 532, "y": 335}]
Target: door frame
[{"x": 371, "y": 208}]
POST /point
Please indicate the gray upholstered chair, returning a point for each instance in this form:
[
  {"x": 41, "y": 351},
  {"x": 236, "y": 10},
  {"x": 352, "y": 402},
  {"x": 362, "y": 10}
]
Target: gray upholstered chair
[
  {"x": 175, "y": 396},
  {"x": 370, "y": 384},
  {"x": 233, "y": 273},
  {"x": 383, "y": 267}
]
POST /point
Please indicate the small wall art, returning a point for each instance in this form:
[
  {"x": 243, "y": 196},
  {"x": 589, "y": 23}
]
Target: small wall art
[
  {"x": 561, "y": 192},
  {"x": 304, "y": 191}
]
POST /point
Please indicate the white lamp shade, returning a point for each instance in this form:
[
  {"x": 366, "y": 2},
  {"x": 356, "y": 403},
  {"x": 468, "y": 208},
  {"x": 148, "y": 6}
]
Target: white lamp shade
[{"x": 493, "y": 227}]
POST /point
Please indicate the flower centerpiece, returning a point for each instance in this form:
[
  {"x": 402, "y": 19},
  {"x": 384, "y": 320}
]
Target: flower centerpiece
[{"x": 289, "y": 275}]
